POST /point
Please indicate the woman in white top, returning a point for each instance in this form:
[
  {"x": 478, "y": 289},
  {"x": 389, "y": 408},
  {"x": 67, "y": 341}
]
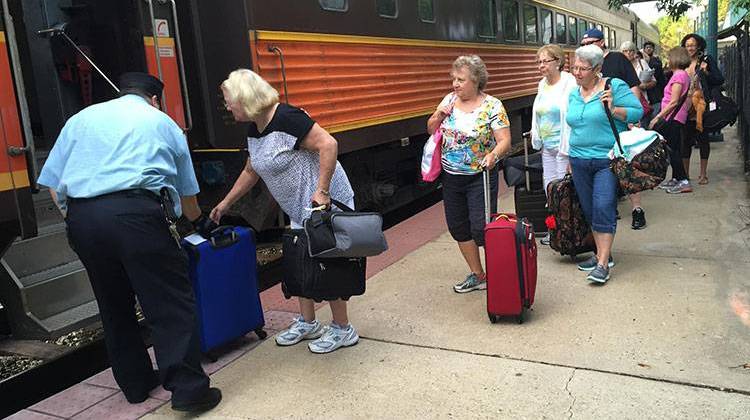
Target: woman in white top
[
  {"x": 549, "y": 131},
  {"x": 645, "y": 75}
]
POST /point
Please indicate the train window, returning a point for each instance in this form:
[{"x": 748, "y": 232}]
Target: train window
[
  {"x": 510, "y": 20},
  {"x": 387, "y": 8},
  {"x": 547, "y": 35},
  {"x": 573, "y": 30},
  {"x": 487, "y": 19},
  {"x": 582, "y": 27},
  {"x": 599, "y": 27},
  {"x": 614, "y": 37},
  {"x": 529, "y": 23},
  {"x": 334, "y": 5},
  {"x": 426, "y": 11},
  {"x": 592, "y": 25},
  {"x": 606, "y": 34},
  {"x": 561, "y": 22}
]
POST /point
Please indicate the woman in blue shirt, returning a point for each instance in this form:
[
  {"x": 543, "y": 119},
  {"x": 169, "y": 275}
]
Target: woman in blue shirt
[{"x": 591, "y": 140}]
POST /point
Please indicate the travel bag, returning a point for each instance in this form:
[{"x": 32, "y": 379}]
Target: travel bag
[
  {"x": 510, "y": 258},
  {"x": 529, "y": 197},
  {"x": 319, "y": 279},
  {"x": 344, "y": 233},
  {"x": 225, "y": 280},
  {"x": 569, "y": 232}
]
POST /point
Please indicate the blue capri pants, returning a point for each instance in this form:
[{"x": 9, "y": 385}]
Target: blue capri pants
[{"x": 596, "y": 186}]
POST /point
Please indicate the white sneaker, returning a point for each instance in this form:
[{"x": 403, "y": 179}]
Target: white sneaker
[
  {"x": 298, "y": 331},
  {"x": 333, "y": 338},
  {"x": 668, "y": 184}
]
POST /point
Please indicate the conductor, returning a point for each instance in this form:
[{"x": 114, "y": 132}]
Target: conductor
[{"x": 106, "y": 172}]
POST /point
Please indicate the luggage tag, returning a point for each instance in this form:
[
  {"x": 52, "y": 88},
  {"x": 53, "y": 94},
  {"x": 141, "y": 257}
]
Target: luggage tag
[{"x": 712, "y": 106}]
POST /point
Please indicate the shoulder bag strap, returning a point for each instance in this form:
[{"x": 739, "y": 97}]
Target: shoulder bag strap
[
  {"x": 607, "y": 83},
  {"x": 341, "y": 205},
  {"x": 682, "y": 101}
]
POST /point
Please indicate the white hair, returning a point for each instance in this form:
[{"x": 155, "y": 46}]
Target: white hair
[
  {"x": 591, "y": 54},
  {"x": 628, "y": 46}
]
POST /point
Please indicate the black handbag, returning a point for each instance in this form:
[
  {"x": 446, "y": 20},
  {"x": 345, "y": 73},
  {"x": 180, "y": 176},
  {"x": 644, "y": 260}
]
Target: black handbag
[
  {"x": 721, "y": 111},
  {"x": 662, "y": 126},
  {"x": 319, "y": 278},
  {"x": 347, "y": 233}
]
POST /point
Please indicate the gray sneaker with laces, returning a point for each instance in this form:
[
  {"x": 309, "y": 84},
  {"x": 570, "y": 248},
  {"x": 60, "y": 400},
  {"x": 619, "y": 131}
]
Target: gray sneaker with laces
[
  {"x": 333, "y": 338},
  {"x": 471, "y": 283},
  {"x": 591, "y": 263},
  {"x": 599, "y": 275},
  {"x": 668, "y": 184},
  {"x": 298, "y": 331}
]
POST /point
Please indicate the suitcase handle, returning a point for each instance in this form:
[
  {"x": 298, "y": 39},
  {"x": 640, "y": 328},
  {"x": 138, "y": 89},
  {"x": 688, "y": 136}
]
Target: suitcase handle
[{"x": 223, "y": 236}]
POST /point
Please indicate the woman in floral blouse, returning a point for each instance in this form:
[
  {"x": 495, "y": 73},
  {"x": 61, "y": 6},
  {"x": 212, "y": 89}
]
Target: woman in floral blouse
[{"x": 476, "y": 133}]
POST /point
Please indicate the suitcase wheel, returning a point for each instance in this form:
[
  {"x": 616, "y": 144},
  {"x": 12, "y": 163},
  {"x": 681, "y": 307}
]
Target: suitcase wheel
[
  {"x": 520, "y": 316},
  {"x": 261, "y": 333},
  {"x": 493, "y": 318}
]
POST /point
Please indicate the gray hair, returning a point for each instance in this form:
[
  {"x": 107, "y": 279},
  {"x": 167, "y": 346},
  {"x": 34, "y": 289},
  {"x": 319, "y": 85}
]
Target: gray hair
[
  {"x": 591, "y": 54},
  {"x": 477, "y": 69},
  {"x": 628, "y": 46}
]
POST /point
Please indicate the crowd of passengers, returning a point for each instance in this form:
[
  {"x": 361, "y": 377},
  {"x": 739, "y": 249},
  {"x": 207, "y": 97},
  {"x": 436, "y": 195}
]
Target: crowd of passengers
[{"x": 116, "y": 225}]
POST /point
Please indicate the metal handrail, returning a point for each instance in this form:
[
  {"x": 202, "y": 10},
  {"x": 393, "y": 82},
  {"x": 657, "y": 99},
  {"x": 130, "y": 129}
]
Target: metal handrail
[
  {"x": 180, "y": 61},
  {"x": 277, "y": 50}
]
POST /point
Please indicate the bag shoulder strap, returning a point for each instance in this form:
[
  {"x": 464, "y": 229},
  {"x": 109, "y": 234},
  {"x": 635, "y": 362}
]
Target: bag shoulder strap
[
  {"x": 607, "y": 85},
  {"x": 341, "y": 205},
  {"x": 682, "y": 101}
]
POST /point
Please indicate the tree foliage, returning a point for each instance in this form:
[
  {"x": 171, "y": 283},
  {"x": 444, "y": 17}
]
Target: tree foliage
[
  {"x": 677, "y": 8},
  {"x": 671, "y": 31}
]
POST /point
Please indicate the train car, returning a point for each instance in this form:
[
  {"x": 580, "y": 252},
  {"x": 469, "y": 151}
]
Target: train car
[{"x": 369, "y": 71}]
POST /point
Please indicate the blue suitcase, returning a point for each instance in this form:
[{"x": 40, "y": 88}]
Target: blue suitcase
[{"x": 225, "y": 281}]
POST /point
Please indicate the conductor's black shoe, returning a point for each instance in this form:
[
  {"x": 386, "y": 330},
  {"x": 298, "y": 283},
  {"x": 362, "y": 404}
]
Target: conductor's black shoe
[
  {"x": 139, "y": 397},
  {"x": 209, "y": 400}
]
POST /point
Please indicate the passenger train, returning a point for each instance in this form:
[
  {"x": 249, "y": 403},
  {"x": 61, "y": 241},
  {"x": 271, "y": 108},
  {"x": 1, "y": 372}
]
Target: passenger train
[{"x": 369, "y": 71}]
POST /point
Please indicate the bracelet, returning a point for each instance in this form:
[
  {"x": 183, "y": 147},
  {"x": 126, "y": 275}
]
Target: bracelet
[{"x": 324, "y": 192}]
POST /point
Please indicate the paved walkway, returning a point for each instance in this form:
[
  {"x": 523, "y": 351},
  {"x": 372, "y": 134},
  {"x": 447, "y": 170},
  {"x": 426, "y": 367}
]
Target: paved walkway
[{"x": 667, "y": 337}]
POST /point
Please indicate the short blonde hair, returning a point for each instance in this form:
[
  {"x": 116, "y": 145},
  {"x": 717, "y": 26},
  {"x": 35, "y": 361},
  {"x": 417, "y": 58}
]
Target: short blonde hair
[
  {"x": 477, "y": 69},
  {"x": 679, "y": 58},
  {"x": 553, "y": 51},
  {"x": 250, "y": 91}
]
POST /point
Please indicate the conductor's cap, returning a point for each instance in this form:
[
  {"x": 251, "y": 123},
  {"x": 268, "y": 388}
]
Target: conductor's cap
[{"x": 142, "y": 81}]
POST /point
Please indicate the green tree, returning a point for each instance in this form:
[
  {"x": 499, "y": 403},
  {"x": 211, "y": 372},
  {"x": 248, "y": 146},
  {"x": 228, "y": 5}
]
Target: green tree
[
  {"x": 671, "y": 32},
  {"x": 676, "y": 8}
]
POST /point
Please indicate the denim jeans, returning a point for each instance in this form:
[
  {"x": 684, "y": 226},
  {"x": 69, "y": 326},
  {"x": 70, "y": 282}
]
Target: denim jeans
[{"x": 596, "y": 187}]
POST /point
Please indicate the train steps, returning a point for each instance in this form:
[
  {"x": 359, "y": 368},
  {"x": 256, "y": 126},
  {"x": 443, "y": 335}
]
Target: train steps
[{"x": 43, "y": 285}]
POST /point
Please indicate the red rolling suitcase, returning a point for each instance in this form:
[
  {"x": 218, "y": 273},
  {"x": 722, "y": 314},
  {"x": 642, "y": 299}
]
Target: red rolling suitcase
[{"x": 510, "y": 259}]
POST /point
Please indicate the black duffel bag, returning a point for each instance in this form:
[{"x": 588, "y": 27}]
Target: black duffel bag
[
  {"x": 721, "y": 111},
  {"x": 514, "y": 170},
  {"x": 319, "y": 278}
]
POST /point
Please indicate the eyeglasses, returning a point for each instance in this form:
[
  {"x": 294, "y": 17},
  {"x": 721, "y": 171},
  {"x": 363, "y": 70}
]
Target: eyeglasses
[
  {"x": 583, "y": 44},
  {"x": 575, "y": 69},
  {"x": 538, "y": 62}
]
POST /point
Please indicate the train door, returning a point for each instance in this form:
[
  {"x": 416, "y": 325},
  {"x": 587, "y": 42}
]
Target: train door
[{"x": 16, "y": 208}]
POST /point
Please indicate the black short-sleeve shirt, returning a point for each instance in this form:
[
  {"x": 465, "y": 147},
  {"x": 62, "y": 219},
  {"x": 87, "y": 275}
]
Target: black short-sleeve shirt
[
  {"x": 617, "y": 65},
  {"x": 290, "y": 172}
]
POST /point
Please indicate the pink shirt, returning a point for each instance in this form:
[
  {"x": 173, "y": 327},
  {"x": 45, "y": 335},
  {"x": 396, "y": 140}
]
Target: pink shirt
[{"x": 681, "y": 77}]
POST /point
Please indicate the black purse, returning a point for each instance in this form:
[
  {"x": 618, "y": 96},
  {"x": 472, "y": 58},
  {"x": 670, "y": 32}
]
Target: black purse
[
  {"x": 662, "y": 126},
  {"x": 319, "y": 279}
]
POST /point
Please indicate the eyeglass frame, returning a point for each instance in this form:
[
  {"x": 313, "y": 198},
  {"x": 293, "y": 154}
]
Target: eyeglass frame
[{"x": 573, "y": 69}]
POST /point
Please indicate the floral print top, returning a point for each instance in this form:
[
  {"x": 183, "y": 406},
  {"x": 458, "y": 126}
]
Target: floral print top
[{"x": 467, "y": 136}]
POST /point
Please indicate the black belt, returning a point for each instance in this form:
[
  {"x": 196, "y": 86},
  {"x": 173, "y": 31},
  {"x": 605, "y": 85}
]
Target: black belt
[{"x": 136, "y": 193}]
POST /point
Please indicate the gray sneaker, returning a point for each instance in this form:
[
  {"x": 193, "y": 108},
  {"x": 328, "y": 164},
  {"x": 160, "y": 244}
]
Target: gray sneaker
[
  {"x": 599, "y": 275},
  {"x": 333, "y": 338},
  {"x": 298, "y": 331},
  {"x": 668, "y": 184},
  {"x": 471, "y": 283},
  {"x": 591, "y": 263}
]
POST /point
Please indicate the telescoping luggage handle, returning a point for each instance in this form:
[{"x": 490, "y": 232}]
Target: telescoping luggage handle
[
  {"x": 524, "y": 137},
  {"x": 223, "y": 236}
]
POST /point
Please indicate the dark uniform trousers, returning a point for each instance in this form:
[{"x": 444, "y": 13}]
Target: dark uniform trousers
[{"x": 124, "y": 243}]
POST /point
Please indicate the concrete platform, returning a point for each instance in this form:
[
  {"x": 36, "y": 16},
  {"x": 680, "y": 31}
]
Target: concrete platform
[{"x": 667, "y": 337}]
